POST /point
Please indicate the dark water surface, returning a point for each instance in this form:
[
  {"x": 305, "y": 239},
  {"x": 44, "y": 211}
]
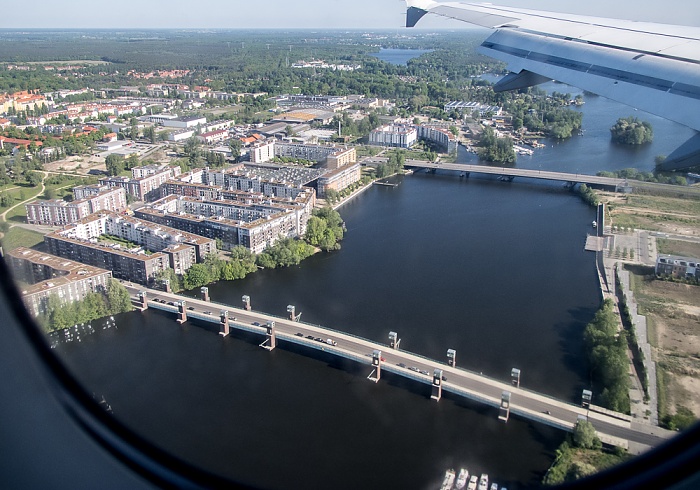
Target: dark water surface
[{"x": 496, "y": 271}]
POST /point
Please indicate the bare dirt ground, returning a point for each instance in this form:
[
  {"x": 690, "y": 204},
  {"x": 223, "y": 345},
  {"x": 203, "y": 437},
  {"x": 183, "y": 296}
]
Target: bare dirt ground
[
  {"x": 79, "y": 164},
  {"x": 654, "y": 213},
  {"x": 673, "y": 312}
]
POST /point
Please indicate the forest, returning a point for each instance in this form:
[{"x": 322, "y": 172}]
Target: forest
[{"x": 250, "y": 61}]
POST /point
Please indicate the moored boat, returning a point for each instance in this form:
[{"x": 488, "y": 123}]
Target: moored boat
[
  {"x": 462, "y": 478},
  {"x": 484, "y": 482},
  {"x": 473, "y": 482},
  {"x": 449, "y": 480}
]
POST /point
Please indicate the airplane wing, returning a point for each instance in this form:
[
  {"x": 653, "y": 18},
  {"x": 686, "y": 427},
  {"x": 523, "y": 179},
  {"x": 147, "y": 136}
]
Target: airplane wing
[{"x": 654, "y": 67}]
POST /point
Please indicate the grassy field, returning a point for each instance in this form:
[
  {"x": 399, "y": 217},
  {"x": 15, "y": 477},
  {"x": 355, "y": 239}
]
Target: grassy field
[
  {"x": 654, "y": 213},
  {"x": 20, "y": 237},
  {"x": 678, "y": 247}
]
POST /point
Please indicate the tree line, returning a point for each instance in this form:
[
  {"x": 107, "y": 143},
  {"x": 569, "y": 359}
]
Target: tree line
[
  {"x": 606, "y": 350},
  {"x": 324, "y": 230},
  {"x": 111, "y": 300}
]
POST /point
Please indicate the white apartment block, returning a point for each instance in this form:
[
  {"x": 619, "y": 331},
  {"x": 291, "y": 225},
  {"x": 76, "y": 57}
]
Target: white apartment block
[
  {"x": 394, "y": 135},
  {"x": 87, "y": 200}
]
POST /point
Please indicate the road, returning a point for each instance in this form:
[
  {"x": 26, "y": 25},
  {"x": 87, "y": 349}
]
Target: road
[{"x": 612, "y": 428}]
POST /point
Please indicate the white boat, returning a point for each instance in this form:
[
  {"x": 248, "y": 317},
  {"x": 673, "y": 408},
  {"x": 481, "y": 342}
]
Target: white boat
[
  {"x": 473, "y": 482},
  {"x": 449, "y": 480},
  {"x": 494, "y": 486},
  {"x": 595, "y": 224},
  {"x": 462, "y": 478},
  {"x": 484, "y": 482}
]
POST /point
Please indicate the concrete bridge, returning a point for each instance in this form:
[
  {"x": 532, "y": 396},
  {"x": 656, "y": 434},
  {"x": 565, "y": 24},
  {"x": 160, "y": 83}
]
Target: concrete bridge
[
  {"x": 511, "y": 173},
  {"x": 506, "y": 396}
]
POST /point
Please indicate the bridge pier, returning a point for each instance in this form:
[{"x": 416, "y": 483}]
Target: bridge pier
[
  {"x": 451, "y": 357},
  {"x": 181, "y": 312},
  {"x": 505, "y": 406},
  {"x": 292, "y": 312},
  {"x": 246, "y": 302},
  {"x": 376, "y": 373},
  {"x": 204, "y": 291},
  {"x": 166, "y": 285},
  {"x": 394, "y": 340},
  {"x": 271, "y": 340},
  {"x": 224, "y": 328},
  {"x": 515, "y": 377},
  {"x": 143, "y": 301},
  {"x": 437, "y": 385}
]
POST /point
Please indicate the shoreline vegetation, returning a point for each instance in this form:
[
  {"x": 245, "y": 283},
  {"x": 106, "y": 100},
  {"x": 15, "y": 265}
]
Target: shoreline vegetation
[
  {"x": 580, "y": 455},
  {"x": 112, "y": 300},
  {"x": 325, "y": 230},
  {"x": 421, "y": 87}
]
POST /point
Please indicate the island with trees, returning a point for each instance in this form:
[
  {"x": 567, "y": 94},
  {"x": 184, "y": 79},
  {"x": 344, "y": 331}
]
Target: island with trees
[{"x": 631, "y": 131}]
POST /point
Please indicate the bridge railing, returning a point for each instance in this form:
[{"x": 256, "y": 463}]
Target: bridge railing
[{"x": 363, "y": 359}]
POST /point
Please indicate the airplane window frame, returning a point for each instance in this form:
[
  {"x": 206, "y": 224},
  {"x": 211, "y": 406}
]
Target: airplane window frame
[{"x": 674, "y": 463}]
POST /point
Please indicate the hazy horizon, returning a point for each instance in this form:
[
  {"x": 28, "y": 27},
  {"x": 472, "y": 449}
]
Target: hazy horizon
[{"x": 312, "y": 14}]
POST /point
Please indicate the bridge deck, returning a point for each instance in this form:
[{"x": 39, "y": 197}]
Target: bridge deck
[
  {"x": 613, "y": 428},
  {"x": 520, "y": 172}
]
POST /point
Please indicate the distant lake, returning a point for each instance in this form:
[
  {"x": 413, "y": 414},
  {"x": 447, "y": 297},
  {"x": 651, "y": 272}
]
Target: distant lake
[{"x": 400, "y": 56}]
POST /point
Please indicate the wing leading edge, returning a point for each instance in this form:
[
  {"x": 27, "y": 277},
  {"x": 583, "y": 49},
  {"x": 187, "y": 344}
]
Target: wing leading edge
[{"x": 653, "y": 67}]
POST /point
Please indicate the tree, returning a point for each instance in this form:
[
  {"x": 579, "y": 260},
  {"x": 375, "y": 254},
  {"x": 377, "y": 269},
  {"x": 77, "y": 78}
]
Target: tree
[
  {"x": 314, "y": 230},
  {"x": 33, "y": 178},
  {"x": 198, "y": 275},
  {"x": 632, "y": 131},
  {"x": 115, "y": 164},
  {"x": 150, "y": 134},
  {"x": 118, "y": 300},
  {"x": 235, "y": 146},
  {"x": 5, "y": 200},
  {"x": 50, "y": 193},
  {"x": 585, "y": 435}
]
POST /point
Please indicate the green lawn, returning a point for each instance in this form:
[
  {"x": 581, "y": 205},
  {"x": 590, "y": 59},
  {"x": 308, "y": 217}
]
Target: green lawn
[
  {"x": 678, "y": 247},
  {"x": 20, "y": 237}
]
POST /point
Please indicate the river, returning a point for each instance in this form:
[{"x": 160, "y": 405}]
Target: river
[{"x": 494, "y": 270}]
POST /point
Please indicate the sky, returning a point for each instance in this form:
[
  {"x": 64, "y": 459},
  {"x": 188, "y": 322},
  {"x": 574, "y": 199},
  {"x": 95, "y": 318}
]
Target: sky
[{"x": 315, "y": 14}]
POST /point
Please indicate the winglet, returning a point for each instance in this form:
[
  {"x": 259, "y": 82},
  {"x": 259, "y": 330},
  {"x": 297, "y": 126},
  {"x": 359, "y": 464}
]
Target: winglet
[
  {"x": 413, "y": 15},
  {"x": 416, "y": 9}
]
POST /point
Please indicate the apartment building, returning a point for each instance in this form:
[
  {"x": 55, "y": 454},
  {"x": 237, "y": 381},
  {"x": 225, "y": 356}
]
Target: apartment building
[
  {"x": 394, "y": 135},
  {"x": 47, "y": 275},
  {"x": 145, "y": 183},
  {"x": 254, "y": 222},
  {"x": 678, "y": 267},
  {"x": 87, "y": 200},
  {"x": 339, "y": 179},
  {"x": 131, "y": 248},
  {"x": 440, "y": 135}
]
